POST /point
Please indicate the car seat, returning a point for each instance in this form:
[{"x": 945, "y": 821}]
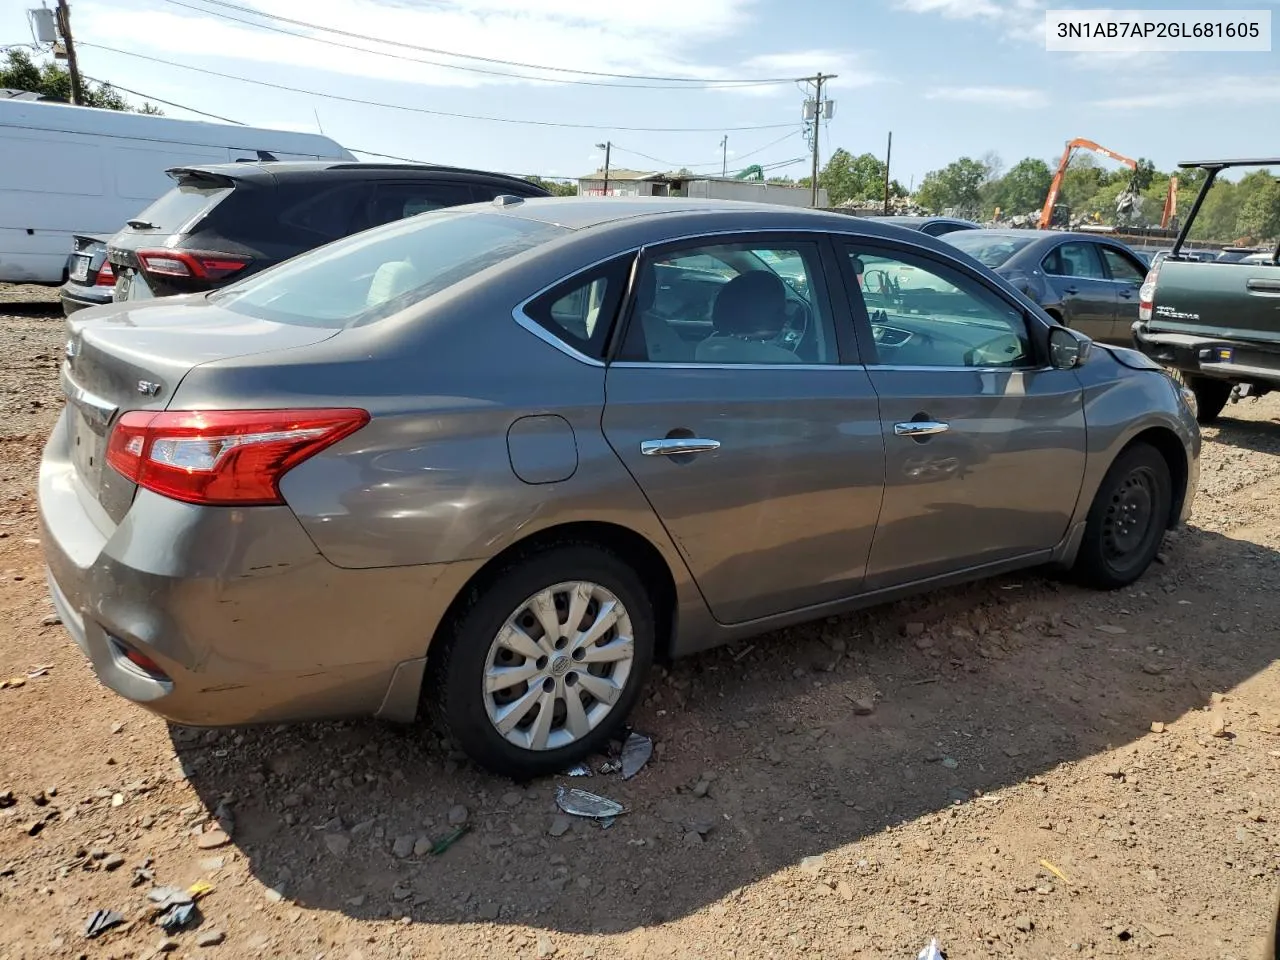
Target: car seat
[{"x": 749, "y": 311}]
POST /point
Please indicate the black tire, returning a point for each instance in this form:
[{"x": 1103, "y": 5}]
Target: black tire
[
  {"x": 459, "y": 656},
  {"x": 1127, "y": 520},
  {"x": 1211, "y": 395}
]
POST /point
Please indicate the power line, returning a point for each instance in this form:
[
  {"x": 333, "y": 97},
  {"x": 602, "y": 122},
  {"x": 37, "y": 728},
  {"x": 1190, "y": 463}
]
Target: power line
[
  {"x": 505, "y": 63},
  {"x": 167, "y": 103},
  {"x": 709, "y": 163},
  {"x": 704, "y": 85},
  {"x": 424, "y": 110}
]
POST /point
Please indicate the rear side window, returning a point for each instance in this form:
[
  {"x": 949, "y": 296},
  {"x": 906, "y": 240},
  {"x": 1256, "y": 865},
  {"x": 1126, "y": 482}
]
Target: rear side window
[
  {"x": 181, "y": 207},
  {"x": 371, "y": 275},
  {"x": 395, "y": 201},
  {"x": 581, "y": 310},
  {"x": 323, "y": 214}
]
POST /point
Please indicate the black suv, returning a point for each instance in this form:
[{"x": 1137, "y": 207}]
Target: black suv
[{"x": 225, "y": 221}]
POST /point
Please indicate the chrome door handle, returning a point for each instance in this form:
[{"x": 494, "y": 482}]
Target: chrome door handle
[
  {"x": 677, "y": 445},
  {"x": 920, "y": 428}
]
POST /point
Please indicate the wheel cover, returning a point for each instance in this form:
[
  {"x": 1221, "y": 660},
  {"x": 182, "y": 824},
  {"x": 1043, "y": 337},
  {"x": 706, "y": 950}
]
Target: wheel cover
[
  {"x": 558, "y": 665},
  {"x": 1130, "y": 516}
]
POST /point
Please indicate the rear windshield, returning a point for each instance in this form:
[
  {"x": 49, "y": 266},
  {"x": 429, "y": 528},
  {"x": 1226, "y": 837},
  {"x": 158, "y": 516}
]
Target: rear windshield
[
  {"x": 178, "y": 208},
  {"x": 371, "y": 275},
  {"x": 987, "y": 250}
]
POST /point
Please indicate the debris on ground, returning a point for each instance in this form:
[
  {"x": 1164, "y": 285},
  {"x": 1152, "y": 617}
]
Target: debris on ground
[
  {"x": 932, "y": 952},
  {"x": 444, "y": 843},
  {"x": 100, "y": 921},
  {"x": 580, "y": 803},
  {"x": 635, "y": 754},
  {"x": 178, "y": 917},
  {"x": 578, "y": 770}
]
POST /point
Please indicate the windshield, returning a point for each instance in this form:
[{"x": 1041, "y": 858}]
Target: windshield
[
  {"x": 990, "y": 251},
  {"x": 374, "y": 274}
]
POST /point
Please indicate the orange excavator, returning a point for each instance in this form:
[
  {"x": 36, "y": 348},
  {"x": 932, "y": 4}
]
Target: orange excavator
[{"x": 1126, "y": 199}]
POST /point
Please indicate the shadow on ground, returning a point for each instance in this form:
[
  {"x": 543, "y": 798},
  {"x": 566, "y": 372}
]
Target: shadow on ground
[
  {"x": 1009, "y": 678},
  {"x": 1262, "y": 436}
]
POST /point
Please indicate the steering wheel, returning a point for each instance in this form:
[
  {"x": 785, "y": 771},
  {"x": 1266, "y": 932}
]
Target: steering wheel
[
  {"x": 879, "y": 283},
  {"x": 793, "y": 332}
]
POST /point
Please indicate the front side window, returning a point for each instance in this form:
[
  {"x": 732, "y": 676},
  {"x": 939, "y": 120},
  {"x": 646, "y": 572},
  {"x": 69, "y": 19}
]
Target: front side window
[
  {"x": 924, "y": 314},
  {"x": 756, "y": 303},
  {"x": 1075, "y": 260},
  {"x": 371, "y": 275},
  {"x": 1121, "y": 267}
]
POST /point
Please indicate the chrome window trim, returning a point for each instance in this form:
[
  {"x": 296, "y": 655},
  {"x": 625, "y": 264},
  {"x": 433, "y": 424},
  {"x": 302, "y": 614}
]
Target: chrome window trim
[{"x": 532, "y": 326}]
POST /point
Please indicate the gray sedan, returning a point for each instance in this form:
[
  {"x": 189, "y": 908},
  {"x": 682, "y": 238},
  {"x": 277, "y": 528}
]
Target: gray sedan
[
  {"x": 1086, "y": 281},
  {"x": 495, "y": 460}
]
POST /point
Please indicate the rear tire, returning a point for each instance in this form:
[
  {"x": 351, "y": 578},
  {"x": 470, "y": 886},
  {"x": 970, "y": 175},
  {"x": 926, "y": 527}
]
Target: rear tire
[
  {"x": 1127, "y": 520},
  {"x": 1211, "y": 395},
  {"x": 532, "y": 713}
]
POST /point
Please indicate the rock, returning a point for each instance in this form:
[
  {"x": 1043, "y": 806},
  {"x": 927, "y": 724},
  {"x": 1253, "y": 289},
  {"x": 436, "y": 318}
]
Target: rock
[
  {"x": 1112, "y": 630},
  {"x": 166, "y": 945},
  {"x": 546, "y": 949},
  {"x": 812, "y": 866},
  {"x": 291, "y": 800},
  {"x": 1217, "y": 698},
  {"x": 913, "y": 629},
  {"x": 274, "y": 896},
  {"x": 7, "y": 799},
  {"x": 212, "y": 839},
  {"x": 51, "y": 620},
  {"x": 693, "y": 839},
  {"x": 210, "y": 938},
  {"x": 844, "y": 891},
  {"x": 511, "y": 798},
  {"x": 212, "y": 864},
  {"x": 923, "y": 643},
  {"x": 1023, "y": 922},
  {"x": 458, "y": 815},
  {"x": 1157, "y": 726},
  {"x": 950, "y": 762},
  {"x": 488, "y": 911},
  {"x": 113, "y": 862},
  {"x": 117, "y": 727},
  {"x": 1113, "y": 769},
  {"x": 559, "y": 825},
  {"x": 932, "y": 756},
  {"x": 1158, "y": 929},
  {"x": 1152, "y": 669},
  {"x": 338, "y": 843},
  {"x": 422, "y": 846},
  {"x": 863, "y": 707},
  {"x": 356, "y": 901},
  {"x": 361, "y": 829},
  {"x": 701, "y": 788},
  {"x": 401, "y": 893},
  {"x": 403, "y": 845},
  {"x": 117, "y": 799},
  {"x": 1217, "y": 725}
]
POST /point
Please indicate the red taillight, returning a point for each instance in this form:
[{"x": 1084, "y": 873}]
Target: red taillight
[
  {"x": 190, "y": 263},
  {"x": 223, "y": 457},
  {"x": 1147, "y": 292},
  {"x": 106, "y": 276}
]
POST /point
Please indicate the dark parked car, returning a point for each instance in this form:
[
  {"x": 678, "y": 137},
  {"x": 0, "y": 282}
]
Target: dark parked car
[
  {"x": 1087, "y": 282},
  {"x": 570, "y": 437},
  {"x": 933, "y": 226},
  {"x": 225, "y": 221},
  {"x": 90, "y": 280}
]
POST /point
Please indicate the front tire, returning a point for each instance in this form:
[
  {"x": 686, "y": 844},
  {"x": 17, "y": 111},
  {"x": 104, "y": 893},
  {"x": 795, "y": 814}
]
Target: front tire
[
  {"x": 1211, "y": 395},
  {"x": 1127, "y": 520},
  {"x": 545, "y": 661}
]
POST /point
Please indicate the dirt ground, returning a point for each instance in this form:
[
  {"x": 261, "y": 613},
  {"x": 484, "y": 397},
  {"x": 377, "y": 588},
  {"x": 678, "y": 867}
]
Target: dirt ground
[{"x": 1047, "y": 772}]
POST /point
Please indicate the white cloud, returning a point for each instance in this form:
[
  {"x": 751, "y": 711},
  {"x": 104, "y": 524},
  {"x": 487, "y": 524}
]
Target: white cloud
[
  {"x": 661, "y": 38},
  {"x": 1232, "y": 89},
  {"x": 1017, "y": 19},
  {"x": 995, "y": 96}
]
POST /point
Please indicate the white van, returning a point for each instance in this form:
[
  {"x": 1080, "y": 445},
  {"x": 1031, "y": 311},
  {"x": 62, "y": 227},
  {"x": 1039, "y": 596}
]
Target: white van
[{"x": 78, "y": 170}]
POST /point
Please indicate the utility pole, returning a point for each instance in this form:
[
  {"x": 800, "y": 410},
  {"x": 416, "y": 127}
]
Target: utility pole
[
  {"x": 606, "y": 147},
  {"x": 724, "y": 156},
  {"x": 888, "y": 155},
  {"x": 817, "y": 110},
  {"x": 64, "y": 28}
]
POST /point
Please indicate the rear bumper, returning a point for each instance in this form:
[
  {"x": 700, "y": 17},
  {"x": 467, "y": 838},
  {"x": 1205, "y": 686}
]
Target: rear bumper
[
  {"x": 77, "y": 296},
  {"x": 249, "y": 623},
  {"x": 1220, "y": 357}
]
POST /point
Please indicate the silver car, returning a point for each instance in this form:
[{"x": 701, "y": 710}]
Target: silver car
[{"x": 495, "y": 460}]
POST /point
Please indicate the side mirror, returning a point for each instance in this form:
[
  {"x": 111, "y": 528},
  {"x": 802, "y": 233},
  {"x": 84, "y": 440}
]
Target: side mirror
[{"x": 1067, "y": 348}]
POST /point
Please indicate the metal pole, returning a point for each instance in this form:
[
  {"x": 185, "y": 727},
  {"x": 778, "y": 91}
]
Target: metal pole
[
  {"x": 888, "y": 154},
  {"x": 1195, "y": 208},
  {"x": 724, "y": 156},
  {"x": 817, "y": 126},
  {"x": 608, "y": 145},
  {"x": 73, "y": 67}
]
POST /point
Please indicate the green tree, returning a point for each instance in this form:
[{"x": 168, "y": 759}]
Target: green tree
[
  {"x": 19, "y": 72},
  {"x": 956, "y": 187},
  {"x": 1259, "y": 217},
  {"x": 847, "y": 177},
  {"x": 1023, "y": 189},
  {"x": 1218, "y": 217},
  {"x": 556, "y": 188}
]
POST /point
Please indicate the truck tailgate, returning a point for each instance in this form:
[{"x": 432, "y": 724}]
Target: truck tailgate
[{"x": 1237, "y": 301}]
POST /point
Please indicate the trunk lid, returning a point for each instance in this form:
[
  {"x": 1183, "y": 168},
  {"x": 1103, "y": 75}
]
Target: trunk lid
[
  {"x": 134, "y": 357},
  {"x": 1235, "y": 301}
]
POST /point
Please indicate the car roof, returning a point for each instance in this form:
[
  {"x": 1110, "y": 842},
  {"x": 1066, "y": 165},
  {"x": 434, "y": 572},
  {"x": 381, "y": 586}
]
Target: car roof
[
  {"x": 1028, "y": 234},
  {"x": 579, "y": 213},
  {"x": 275, "y": 170}
]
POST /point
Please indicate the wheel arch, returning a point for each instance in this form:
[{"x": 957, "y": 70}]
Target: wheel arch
[
  {"x": 1171, "y": 450},
  {"x": 636, "y": 549}
]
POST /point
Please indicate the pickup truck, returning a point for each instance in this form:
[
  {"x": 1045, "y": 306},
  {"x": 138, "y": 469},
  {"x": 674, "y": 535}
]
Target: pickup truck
[{"x": 1215, "y": 323}]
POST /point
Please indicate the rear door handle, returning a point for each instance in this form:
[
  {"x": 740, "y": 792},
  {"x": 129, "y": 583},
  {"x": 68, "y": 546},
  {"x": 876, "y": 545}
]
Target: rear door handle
[
  {"x": 920, "y": 428},
  {"x": 1262, "y": 286},
  {"x": 1071, "y": 290},
  {"x": 1126, "y": 294},
  {"x": 673, "y": 446}
]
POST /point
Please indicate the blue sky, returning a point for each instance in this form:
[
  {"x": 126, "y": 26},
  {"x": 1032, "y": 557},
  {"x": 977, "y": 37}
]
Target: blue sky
[{"x": 948, "y": 77}]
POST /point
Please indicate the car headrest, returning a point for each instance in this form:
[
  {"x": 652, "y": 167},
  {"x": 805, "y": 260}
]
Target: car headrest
[{"x": 751, "y": 304}]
